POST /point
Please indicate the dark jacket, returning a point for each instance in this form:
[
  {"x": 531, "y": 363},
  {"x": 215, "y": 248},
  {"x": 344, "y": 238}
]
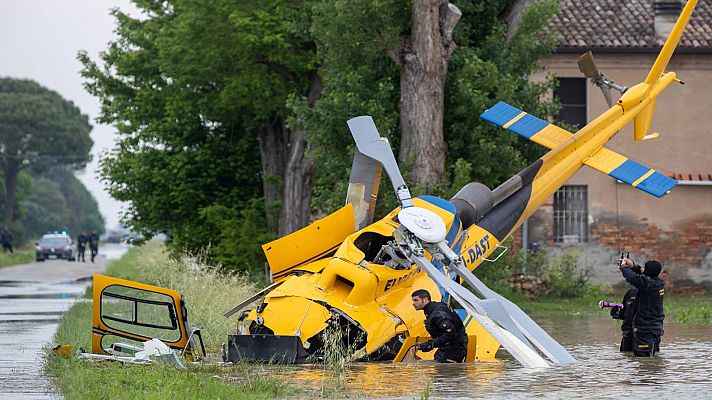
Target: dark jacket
[
  {"x": 628, "y": 311},
  {"x": 82, "y": 240},
  {"x": 649, "y": 315},
  {"x": 94, "y": 241},
  {"x": 444, "y": 325}
]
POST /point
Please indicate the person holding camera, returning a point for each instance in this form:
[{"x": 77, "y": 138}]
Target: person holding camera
[
  {"x": 648, "y": 315},
  {"x": 626, "y": 313},
  {"x": 444, "y": 326}
]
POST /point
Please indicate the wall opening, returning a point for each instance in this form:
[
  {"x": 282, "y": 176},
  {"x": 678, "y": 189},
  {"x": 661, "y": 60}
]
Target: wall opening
[{"x": 571, "y": 214}]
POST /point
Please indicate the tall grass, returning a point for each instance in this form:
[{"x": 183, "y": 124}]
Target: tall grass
[
  {"x": 338, "y": 356},
  {"x": 208, "y": 295},
  {"x": 20, "y": 256}
]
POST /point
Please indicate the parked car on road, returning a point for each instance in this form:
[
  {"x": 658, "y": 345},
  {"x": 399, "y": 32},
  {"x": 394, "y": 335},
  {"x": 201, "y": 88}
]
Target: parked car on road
[{"x": 55, "y": 245}]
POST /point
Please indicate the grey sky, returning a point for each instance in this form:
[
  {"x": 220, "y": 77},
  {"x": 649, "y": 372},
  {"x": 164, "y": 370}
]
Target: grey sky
[{"x": 39, "y": 40}]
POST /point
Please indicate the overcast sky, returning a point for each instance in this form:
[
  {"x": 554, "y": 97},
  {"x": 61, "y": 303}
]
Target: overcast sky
[{"x": 39, "y": 40}]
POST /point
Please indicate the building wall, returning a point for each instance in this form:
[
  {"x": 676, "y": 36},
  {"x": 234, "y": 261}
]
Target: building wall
[{"x": 676, "y": 229}]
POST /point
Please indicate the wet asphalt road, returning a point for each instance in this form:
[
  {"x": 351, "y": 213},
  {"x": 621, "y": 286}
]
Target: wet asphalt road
[{"x": 32, "y": 298}]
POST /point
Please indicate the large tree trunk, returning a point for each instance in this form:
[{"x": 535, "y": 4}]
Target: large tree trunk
[
  {"x": 423, "y": 59},
  {"x": 12, "y": 169},
  {"x": 273, "y": 144},
  {"x": 287, "y": 172},
  {"x": 298, "y": 179}
]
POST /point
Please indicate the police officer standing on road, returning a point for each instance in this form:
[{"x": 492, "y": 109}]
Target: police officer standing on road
[
  {"x": 81, "y": 246},
  {"x": 444, "y": 326},
  {"x": 6, "y": 239},
  {"x": 648, "y": 307},
  {"x": 94, "y": 244}
]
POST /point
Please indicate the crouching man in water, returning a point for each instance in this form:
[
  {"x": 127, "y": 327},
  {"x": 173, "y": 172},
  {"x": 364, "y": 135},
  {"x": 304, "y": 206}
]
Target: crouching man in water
[
  {"x": 648, "y": 307},
  {"x": 444, "y": 326}
]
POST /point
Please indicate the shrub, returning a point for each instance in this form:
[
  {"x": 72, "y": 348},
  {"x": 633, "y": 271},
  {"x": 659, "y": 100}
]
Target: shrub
[{"x": 561, "y": 276}]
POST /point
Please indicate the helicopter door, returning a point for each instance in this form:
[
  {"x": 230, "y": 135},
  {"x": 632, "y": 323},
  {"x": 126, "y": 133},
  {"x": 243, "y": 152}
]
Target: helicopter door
[{"x": 132, "y": 312}]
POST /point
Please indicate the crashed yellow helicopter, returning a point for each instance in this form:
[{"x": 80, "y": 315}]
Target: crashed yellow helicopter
[
  {"x": 349, "y": 271},
  {"x": 363, "y": 276}
]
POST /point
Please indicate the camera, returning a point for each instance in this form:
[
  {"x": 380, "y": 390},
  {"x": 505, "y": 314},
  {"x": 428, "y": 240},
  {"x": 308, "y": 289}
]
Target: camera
[{"x": 635, "y": 267}]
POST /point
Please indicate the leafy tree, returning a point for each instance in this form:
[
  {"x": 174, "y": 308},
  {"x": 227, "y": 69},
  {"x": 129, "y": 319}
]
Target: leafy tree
[
  {"x": 195, "y": 88},
  {"x": 45, "y": 209},
  {"x": 493, "y": 60},
  {"x": 82, "y": 212},
  {"x": 37, "y": 127},
  {"x": 197, "y": 91}
]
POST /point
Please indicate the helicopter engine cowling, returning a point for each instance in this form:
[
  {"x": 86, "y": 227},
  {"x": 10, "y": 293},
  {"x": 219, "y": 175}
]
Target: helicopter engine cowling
[{"x": 472, "y": 202}]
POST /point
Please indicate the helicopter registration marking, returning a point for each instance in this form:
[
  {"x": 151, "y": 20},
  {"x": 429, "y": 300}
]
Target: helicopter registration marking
[
  {"x": 479, "y": 249},
  {"x": 394, "y": 281}
]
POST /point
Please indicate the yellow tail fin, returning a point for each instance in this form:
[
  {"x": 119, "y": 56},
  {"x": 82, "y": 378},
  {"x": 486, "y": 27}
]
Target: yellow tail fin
[
  {"x": 641, "y": 124},
  {"x": 670, "y": 44}
]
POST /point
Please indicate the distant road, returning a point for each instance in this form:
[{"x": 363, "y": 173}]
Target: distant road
[
  {"x": 32, "y": 299},
  {"x": 57, "y": 271}
]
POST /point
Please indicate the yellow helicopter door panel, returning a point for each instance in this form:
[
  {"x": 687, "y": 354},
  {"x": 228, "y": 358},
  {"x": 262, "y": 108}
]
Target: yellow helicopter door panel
[
  {"x": 318, "y": 240},
  {"x": 124, "y": 310}
]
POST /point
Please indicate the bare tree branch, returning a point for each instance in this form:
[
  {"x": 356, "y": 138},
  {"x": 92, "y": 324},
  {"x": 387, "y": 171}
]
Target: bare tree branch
[{"x": 513, "y": 15}]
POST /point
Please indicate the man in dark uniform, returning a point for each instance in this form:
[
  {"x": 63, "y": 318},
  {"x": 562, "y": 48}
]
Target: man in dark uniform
[
  {"x": 94, "y": 244},
  {"x": 648, "y": 309},
  {"x": 6, "y": 238},
  {"x": 444, "y": 326},
  {"x": 626, "y": 313},
  {"x": 81, "y": 246}
]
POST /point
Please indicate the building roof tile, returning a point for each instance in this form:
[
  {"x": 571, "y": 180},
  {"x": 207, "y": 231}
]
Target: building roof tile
[{"x": 625, "y": 24}]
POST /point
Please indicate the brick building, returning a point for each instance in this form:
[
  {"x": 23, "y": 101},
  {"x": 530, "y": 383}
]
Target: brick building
[{"x": 593, "y": 213}]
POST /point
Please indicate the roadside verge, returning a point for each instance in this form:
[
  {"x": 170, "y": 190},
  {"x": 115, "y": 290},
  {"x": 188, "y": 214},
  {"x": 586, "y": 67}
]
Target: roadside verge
[{"x": 208, "y": 295}]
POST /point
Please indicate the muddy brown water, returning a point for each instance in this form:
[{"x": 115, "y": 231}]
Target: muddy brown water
[
  {"x": 29, "y": 312},
  {"x": 682, "y": 370}
]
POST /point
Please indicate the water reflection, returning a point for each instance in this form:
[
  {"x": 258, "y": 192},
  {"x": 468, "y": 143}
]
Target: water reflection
[{"x": 682, "y": 370}]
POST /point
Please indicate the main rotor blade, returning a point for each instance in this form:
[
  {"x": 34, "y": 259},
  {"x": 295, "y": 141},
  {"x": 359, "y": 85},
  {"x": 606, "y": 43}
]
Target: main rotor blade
[
  {"x": 370, "y": 143},
  {"x": 364, "y": 181},
  {"x": 555, "y": 351},
  {"x": 517, "y": 347}
]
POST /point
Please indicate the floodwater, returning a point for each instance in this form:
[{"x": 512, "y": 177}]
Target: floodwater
[
  {"x": 683, "y": 369},
  {"x": 32, "y": 299}
]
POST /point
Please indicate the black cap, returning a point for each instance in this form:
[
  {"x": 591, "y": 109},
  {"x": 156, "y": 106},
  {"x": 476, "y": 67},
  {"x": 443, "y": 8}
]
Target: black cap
[{"x": 653, "y": 268}]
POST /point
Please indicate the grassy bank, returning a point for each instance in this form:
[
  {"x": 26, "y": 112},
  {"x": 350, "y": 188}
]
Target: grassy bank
[
  {"x": 677, "y": 309},
  {"x": 208, "y": 295},
  {"x": 20, "y": 256}
]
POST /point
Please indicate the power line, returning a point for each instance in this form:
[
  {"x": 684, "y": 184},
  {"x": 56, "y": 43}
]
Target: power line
[{"x": 59, "y": 157}]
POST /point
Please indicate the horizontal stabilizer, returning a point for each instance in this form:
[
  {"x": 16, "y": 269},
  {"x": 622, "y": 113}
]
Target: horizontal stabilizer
[
  {"x": 526, "y": 125},
  {"x": 635, "y": 174}
]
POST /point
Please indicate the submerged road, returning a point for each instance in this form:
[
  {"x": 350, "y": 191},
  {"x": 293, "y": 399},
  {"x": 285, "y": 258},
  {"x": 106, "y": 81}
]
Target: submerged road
[{"x": 32, "y": 298}]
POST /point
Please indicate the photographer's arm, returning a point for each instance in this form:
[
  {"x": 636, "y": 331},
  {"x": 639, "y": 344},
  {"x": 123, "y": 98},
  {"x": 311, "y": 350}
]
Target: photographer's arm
[{"x": 634, "y": 279}]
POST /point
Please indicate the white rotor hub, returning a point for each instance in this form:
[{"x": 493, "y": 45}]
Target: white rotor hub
[{"x": 424, "y": 224}]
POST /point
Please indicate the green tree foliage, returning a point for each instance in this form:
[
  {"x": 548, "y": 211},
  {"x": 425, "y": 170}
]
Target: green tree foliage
[
  {"x": 37, "y": 128},
  {"x": 52, "y": 200},
  {"x": 191, "y": 87},
  {"x": 358, "y": 78},
  {"x": 45, "y": 209},
  {"x": 486, "y": 67},
  {"x": 76, "y": 207}
]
